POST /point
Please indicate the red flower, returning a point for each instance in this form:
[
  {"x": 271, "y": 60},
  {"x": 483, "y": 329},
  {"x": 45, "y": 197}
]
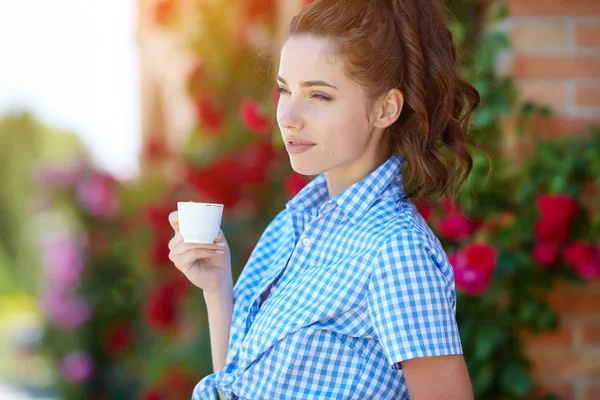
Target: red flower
[
  {"x": 179, "y": 285},
  {"x": 474, "y": 267},
  {"x": 481, "y": 257},
  {"x": 219, "y": 182},
  {"x": 556, "y": 215},
  {"x": 155, "y": 150},
  {"x": 552, "y": 230},
  {"x": 252, "y": 118},
  {"x": 152, "y": 394},
  {"x": 470, "y": 280},
  {"x": 178, "y": 383},
  {"x": 448, "y": 207},
  {"x": 455, "y": 227},
  {"x": 118, "y": 339},
  {"x": 210, "y": 118},
  {"x": 545, "y": 254},
  {"x": 557, "y": 207},
  {"x": 157, "y": 216},
  {"x": 584, "y": 258},
  {"x": 257, "y": 160},
  {"x": 160, "y": 309},
  {"x": 424, "y": 209},
  {"x": 294, "y": 183},
  {"x": 159, "y": 250}
]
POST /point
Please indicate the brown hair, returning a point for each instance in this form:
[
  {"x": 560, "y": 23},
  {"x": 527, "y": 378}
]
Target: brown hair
[{"x": 406, "y": 44}]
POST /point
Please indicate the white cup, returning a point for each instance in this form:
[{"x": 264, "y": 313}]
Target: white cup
[{"x": 199, "y": 222}]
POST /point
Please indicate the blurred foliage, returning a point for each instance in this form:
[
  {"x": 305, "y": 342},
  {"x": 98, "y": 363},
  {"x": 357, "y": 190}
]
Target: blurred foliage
[{"x": 23, "y": 141}]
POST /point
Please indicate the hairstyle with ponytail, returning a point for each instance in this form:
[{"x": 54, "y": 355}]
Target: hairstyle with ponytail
[{"x": 405, "y": 44}]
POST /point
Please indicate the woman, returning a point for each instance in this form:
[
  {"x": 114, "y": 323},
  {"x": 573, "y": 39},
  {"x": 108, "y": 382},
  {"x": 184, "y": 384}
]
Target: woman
[{"x": 348, "y": 294}]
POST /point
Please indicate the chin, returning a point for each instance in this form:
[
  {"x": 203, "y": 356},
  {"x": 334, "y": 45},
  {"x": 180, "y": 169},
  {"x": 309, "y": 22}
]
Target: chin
[{"x": 305, "y": 167}]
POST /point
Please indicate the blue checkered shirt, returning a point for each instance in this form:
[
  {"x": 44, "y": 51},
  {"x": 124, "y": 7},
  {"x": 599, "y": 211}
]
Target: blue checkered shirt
[{"x": 358, "y": 283}]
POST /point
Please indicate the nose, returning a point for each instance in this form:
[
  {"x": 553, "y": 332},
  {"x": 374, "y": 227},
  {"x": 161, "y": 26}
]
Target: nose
[{"x": 289, "y": 114}]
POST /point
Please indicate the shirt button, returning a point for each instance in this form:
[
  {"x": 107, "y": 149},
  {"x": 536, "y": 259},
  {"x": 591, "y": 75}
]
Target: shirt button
[{"x": 306, "y": 242}]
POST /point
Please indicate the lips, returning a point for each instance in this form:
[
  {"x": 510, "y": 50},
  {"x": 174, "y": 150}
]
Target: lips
[
  {"x": 299, "y": 141},
  {"x": 298, "y": 148}
]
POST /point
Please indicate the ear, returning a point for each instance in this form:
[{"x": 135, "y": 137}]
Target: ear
[{"x": 387, "y": 109}]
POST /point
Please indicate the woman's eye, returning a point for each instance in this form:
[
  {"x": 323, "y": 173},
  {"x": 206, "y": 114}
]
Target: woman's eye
[
  {"x": 282, "y": 90},
  {"x": 321, "y": 96}
]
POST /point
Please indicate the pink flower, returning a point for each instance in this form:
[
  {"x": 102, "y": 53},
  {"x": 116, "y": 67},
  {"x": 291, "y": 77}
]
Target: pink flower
[
  {"x": 66, "y": 174},
  {"x": 77, "y": 367},
  {"x": 474, "y": 267},
  {"x": 546, "y": 253},
  {"x": 252, "y": 117},
  {"x": 67, "y": 312},
  {"x": 455, "y": 227},
  {"x": 63, "y": 262},
  {"x": 97, "y": 194},
  {"x": 584, "y": 258}
]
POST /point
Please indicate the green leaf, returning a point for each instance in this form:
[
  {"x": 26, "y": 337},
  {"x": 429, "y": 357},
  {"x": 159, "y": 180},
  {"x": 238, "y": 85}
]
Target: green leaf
[
  {"x": 515, "y": 379},
  {"x": 482, "y": 378}
]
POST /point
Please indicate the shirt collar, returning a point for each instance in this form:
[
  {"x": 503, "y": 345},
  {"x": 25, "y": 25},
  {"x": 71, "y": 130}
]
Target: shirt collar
[{"x": 356, "y": 199}]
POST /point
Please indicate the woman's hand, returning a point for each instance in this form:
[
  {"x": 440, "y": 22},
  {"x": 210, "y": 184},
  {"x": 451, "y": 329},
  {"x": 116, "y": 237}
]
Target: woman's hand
[{"x": 207, "y": 266}]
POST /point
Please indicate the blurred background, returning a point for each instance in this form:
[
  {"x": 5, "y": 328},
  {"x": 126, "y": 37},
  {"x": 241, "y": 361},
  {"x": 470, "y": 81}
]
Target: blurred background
[{"x": 112, "y": 111}]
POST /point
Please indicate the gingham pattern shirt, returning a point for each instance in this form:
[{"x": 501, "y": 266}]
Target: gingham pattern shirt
[{"x": 361, "y": 284}]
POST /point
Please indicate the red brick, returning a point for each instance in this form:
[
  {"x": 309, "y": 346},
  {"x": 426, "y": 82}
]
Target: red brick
[
  {"x": 587, "y": 35},
  {"x": 539, "y": 36},
  {"x": 561, "y": 337},
  {"x": 562, "y": 364},
  {"x": 574, "y": 300},
  {"x": 553, "y": 8},
  {"x": 592, "y": 391},
  {"x": 590, "y": 333},
  {"x": 544, "y": 66},
  {"x": 546, "y": 93},
  {"x": 564, "y": 390},
  {"x": 561, "y": 126},
  {"x": 587, "y": 96}
]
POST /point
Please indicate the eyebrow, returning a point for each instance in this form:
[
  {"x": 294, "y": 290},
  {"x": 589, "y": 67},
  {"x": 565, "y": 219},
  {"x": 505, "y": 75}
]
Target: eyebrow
[{"x": 308, "y": 83}]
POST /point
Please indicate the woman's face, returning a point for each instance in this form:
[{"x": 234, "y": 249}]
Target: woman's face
[{"x": 321, "y": 105}]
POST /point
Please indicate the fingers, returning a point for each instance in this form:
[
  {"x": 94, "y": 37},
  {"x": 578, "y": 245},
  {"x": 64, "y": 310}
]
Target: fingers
[
  {"x": 175, "y": 241},
  {"x": 186, "y": 261},
  {"x": 174, "y": 220},
  {"x": 183, "y": 247}
]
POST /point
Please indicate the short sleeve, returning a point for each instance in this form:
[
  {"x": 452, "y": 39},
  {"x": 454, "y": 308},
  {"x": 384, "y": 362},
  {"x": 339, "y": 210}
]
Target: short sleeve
[
  {"x": 206, "y": 389},
  {"x": 412, "y": 300}
]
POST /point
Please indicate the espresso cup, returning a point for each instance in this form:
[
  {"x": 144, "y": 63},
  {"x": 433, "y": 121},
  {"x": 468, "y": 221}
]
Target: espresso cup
[{"x": 199, "y": 222}]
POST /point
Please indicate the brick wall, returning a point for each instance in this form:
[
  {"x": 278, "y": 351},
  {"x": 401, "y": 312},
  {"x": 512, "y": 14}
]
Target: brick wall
[{"x": 555, "y": 59}]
